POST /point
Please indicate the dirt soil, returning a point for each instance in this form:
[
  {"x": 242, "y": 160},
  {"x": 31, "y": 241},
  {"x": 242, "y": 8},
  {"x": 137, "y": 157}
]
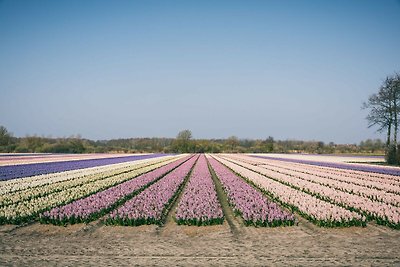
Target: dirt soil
[{"x": 230, "y": 244}]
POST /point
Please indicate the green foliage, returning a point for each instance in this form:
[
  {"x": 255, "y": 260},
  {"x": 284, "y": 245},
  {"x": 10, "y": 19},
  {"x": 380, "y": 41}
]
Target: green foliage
[
  {"x": 6, "y": 139},
  {"x": 183, "y": 142}
]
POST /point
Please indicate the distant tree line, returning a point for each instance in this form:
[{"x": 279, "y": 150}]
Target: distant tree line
[{"x": 183, "y": 143}]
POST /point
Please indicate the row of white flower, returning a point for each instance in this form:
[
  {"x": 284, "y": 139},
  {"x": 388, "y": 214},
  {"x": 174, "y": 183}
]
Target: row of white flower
[
  {"x": 59, "y": 183},
  {"x": 389, "y": 195},
  {"x": 380, "y": 211},
  {"x": 43, "y": 179},
  {"x": 27, "y": 210},
  {"x": 311, "y": 207}
]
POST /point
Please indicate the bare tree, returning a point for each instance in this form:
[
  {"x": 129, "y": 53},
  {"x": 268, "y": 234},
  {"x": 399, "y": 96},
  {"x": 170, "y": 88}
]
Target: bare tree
[
  {"x": 381, "y": 111},
  {"x": 394, "y": 86},
  {"x": 384, "y": 109}
]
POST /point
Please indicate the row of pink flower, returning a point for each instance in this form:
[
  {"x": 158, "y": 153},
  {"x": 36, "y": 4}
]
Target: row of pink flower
[
  {"x": 371, "y": 176},
  {"x": 199, "y": 204},
  {"x": 349, "y": 187},
  {"x": 90, "y": 208},
  {"x": 150, "y": 206},
  {"x": 247, "y": 201},
  {"x": 385, "y": 184},
  {"x": 374, "y": 209},
  {"x": 316, "y": 210},
  {"x": 335, "y": 182}
]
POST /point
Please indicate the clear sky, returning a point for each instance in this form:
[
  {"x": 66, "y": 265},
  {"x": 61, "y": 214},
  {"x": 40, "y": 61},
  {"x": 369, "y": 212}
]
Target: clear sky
[{"x": 110, "y": 69}]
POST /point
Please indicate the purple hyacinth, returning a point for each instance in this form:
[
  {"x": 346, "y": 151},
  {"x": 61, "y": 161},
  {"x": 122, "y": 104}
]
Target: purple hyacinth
[
  {"x": 199, "y": 204},
  {"x": 89, "y": 208},
  {"x": 149, "y": 207},
  {"x": 25, "y": 170},
  {"x": 247, "y": 201}
]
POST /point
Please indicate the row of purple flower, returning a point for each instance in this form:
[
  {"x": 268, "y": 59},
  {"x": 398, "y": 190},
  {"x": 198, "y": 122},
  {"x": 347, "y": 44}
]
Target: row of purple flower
[
  {"x": 25, "y": 170},
  {"x": 199, "y": 204},
  {"x": 92, "y": 207},
  {"x": 152, "y": 205},
  {"x": 248, "y": 202}
]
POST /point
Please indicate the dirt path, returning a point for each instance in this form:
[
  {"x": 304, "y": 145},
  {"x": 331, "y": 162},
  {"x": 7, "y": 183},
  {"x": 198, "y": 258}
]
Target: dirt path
[{"x": 38, "y": 245}]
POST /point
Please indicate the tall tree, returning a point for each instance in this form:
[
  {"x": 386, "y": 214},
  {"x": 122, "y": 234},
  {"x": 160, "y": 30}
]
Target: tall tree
[
  {"x": 394, "y": 84},
  {"x": 381, "y": 112},
  {"x": 5, "y": 136},
  {"x": 384, "y": 109},
  {"x": 182, "y": 143},
  {"x": 232, "y": 142}
]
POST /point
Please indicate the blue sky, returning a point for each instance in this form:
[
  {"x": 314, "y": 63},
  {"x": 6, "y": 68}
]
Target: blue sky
[{"x": 110, "y": 69}]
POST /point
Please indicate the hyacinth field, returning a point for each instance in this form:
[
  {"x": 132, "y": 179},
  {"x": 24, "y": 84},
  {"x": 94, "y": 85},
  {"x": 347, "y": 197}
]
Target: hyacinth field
[{"x": 196, "y": 190}]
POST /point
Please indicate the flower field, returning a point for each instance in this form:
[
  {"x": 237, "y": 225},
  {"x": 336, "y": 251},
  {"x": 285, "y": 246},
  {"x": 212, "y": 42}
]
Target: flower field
[
  {"x": 90, "y": 208},
  {"x": 248, "y": 202},
  {"x": 24, "y": 170},
  {"x": 374, "y": 197},
  {"x": 150, "y": 206},
  {"x": 145, "y": 189},
  {"x": 29, "y": 209},
  {"x": 199, "y": 204}
]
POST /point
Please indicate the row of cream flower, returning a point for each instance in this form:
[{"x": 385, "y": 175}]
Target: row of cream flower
[
  {"x": 59, "y": 183},
  {"x": 44, "y": 179},
  {"x": 383, "y": 181},
  {"x": 354, "y": 186},
  {"x": 28, "y": 210},
  {"x": 382, "y": 212},
  {"x": 311, "y": 207}
]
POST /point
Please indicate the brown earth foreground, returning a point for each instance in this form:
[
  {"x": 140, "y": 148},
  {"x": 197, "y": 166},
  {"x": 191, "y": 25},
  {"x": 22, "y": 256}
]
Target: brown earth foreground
[{"x": 172, "y": 245}]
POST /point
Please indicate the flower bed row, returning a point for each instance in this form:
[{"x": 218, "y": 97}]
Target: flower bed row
[
  {"x": 388, "y": 183},
  {"x": 390, "y": 186},
  {"x": 42, "y": 158},
  {"x": 382, "y": 212},
  {"x": 44, "y": 179},
  {"x": 92, "y": 207},
  {"x": 61, "y": 183},
  {"x": 28, "y": 210},
  {"x": 348, "y": 186},
  {"x": 248, "y": 202},
  {"x": 152, "y": 204},
  {"x": 346, "y": 166},
  {"x": 199, "y": 204},
  {"x": 24, "y": 170},
  {"x": 312, "y": 208}
]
